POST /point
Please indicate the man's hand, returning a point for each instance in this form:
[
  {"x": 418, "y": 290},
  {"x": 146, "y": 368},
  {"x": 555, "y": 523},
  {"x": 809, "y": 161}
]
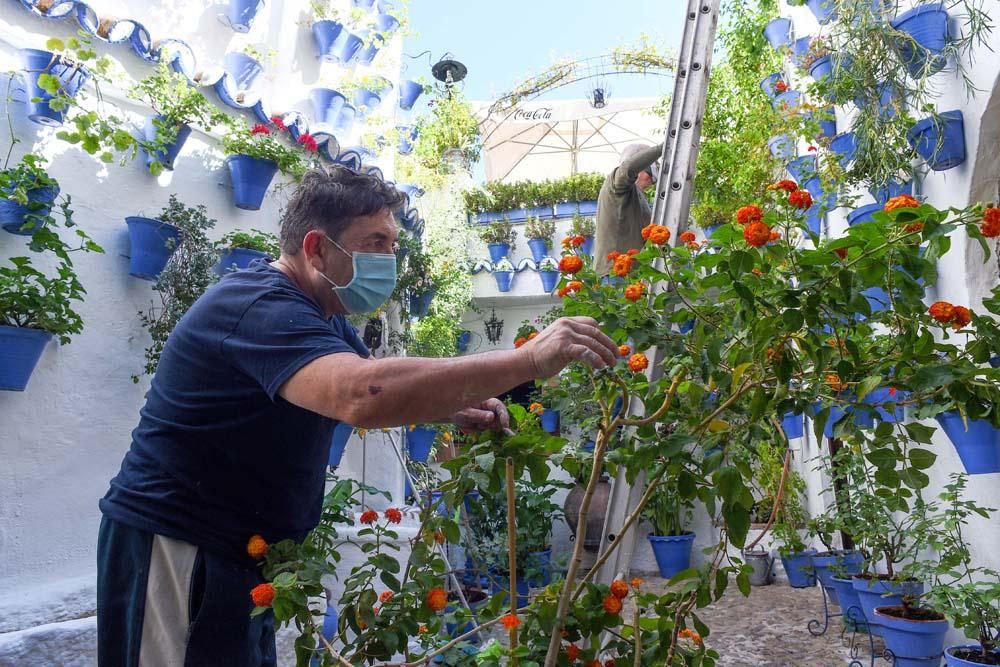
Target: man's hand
[
  {"x": 491, "y": 414},
  {"x": 570, "y": 339}
]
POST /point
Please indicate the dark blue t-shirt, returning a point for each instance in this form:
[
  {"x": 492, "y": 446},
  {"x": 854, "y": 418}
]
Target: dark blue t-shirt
[{"x": 218, "y": 456}]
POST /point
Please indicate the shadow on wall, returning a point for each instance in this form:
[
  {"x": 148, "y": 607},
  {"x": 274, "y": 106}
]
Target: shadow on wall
[{"x": 985, "y": 187}]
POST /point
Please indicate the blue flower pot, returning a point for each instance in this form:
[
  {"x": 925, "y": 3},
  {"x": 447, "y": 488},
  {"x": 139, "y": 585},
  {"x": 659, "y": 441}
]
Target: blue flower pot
[
  {"x": 802, "y": 168},
  {"x": 477, "y": 601},
  {"x": 588, "y": 207},
  {"x": 363, "y": 97},
  {"x": 800, "y": 51},
  {"x": 341, "y": 434},
  {"x": 845, "y": 147},
  {"x": 550, "y": 421},
  {"x": 325, "y": 34},
  {"x": 793, "y": 426},
  {"x": 251, "y": 177},
  {"x": 878, "y": 299},
  {"x": 71, "y": 79},
  {"x": 345, "y": 119},
  {"x": 686, "y": 326},
  {"x": 885, "y": 104},
  {"x": 566, "y": 209},
  {"x": 242, "y": 13},
  {"x": 941, "y": 144},
  {"x": 863, "y": 213},
  {"x": 850, "y": 604},
  {"x": 828, "y": 126},
  {"x": 799, "y": 569},
  {"x": 913, "y": 643},
  {"x": 769, "y": 82},
  {"x": 874, "y": 593},
  {"x": 363, "y": 4},
  {"x": 436, "y": 499},
  {"x": 462, "y": 341},
  {"x": 928, "y": 26},
  {"x": 345, "y": 50},
  {"x": 978, "y": 447},
  {"x": 845, "y": 563},
  {"x": 421, "y": 303},
  {"x": 549, "y": 280},
  {"x": 236, "y": 259},
  {"x": 500, "y": 583},
  {"x": 787, "y": 101},
  {"x": 588, "y": 245},
  {"x": 409, "y": 91},
  {"x": 672, "y": 552},
  {"x": 882, "y": 396},
  {"x": 782, "y": 146},
  {"x": 892, "y": 188},
  {"x": 20, "y": 350},
  {"x": 541, "y": 561},
  {"x": 539, "y": 248},
  {"x": 825, "y": 11},
  {"x": 369, "y": 49},
  {"x": 821, "y": 68},
  {"x": 419, "y": 442},
  {"x": 815, "y": 218},
  {"x": 504, "y": 279},
  {"x": 169, "y": 154},
  {"x": 327, "y": 104},
  {"x": 827, "y": 200},
  {"x": 407, "y": 135},
  {"x": 152, "y": 243},
  {"x": 951, "y": 661},
  {"x": 498, "y": 251},
  {"x": 23, "y": 220},
  {"x": 539, "y": 212},
  {"x": 242, "y": 68},
  {"x": 778, "y": 33}
]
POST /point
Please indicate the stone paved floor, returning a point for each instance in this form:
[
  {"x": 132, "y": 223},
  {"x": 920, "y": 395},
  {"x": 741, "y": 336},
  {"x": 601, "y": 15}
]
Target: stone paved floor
[{"x": 768, "y": 629}]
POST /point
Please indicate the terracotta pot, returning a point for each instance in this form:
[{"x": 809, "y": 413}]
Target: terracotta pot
[{"x": 595, "y": 517}]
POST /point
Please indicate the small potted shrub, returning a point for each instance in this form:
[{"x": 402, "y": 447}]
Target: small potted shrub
[
  {"x": 326, "y": 29},
  {"x": 27, "y": 194},
  {"x": 503, "y": 273},
  {"x": 669, "y": 512},
  {"x": 584, "y": 226},
  {"x": 539, "y": 233},
  {"x": 52, "y": 80},
  {"x": 548, "y": 271},
  {"x": 239, "y": 248},
  {"x": 500, "y": 238},
  {"x": 255, "y": 156}
]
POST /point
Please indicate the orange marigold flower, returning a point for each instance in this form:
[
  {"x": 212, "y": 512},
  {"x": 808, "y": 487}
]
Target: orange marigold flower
[
  {"x": 534, "y": 334},
  {"x": 756, "y": 271},
  {"x": 613, "y": 255},
  {"x": 624, "y": 350},
  {"x": 612, "y": 605},
  {"x": 638, "y": 362},
  {"x": 536, "y": 408},
  {"x": 800, "y": 199},
  {"x": 632, "y": 251},
  {"x": 385, "y": 596},
  {"x": 841, "y": 253},
  {"x": 369, "y": 517},
  {"x": 571, "y": 286},
  {"x": 437, "y": 599},
  {"x": 833, "y": 380},
  {"x": 635, "y": 291},
  {"x": 577, "y": 241},
  {"x": 422, "y": 629},
  {"x": 750, "y": 213},
  {"x": 913, "y": 227},
  {"x": 572, "y": 652},
  {"x": 961, "y": 318},
  {"x": 687, "y": 633},
  {"x": 520, "y": 341},
  {"x": 262, "y": 595},
  {"x": 619, "y": 588},
  {"x": 659, "y": 235},
  {"x": 636, "y": 583},
  {"x": 393, "y": 515},
  {"x": 991, "y": 222},
  {"x": 257, "y": 547},
  {"x": 785, "y": 184},
  {"x": 775, "y": 235},
  {"x": 687, "y": 237},
  {"x": 902, "y": 201},
  {"x": 623, "y": 266},
  {"x": 561, "y": 292},
  {"x": 570, "y": 264},
  {"x": 942, "y": 311},
  {"x": 694, "y": 245},
  {"x": 646, "y": 231},
  {"x": 757, "y": 234},
  {"x": 510, "y": 621},
  {"x": 439, "y": 537}
]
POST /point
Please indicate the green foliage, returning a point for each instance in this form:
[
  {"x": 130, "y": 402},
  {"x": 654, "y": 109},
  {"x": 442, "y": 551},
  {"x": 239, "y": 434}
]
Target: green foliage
[
  {"x": 450, "y": 126},
  {"x": 501, "y": 231},
  {"x": 582, "y": 225},
  {"x": 258, "y": 142},
  {"x": 497, "y": 196},
  {"x": 670, "y": 510},
  {"x": 536, "y": 228},
  {"x": 27, "y": 175},
  {"x": 252, "y": 240},
  {"x": 434, "y": 336},
  {"x": 188, "y": 273}
]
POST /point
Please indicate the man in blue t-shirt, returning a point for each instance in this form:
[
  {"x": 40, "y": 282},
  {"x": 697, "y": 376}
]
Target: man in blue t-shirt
[{"x": 235, "y": 433}]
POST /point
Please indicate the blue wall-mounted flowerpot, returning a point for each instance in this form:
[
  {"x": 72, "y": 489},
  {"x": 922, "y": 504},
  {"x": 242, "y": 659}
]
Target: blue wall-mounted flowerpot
[
  {"x": 539, "y": 248},
  {"x": 251, "y": 177},
  {"x": 504, "y": 279},
  {"x": 802, "y": 168},
  {"x": 369, "y": 99},
  {"x": 863, "y": 213},
  {"x": 827, "y": 123},
  {"x": 369, "y": 48},
  {"x": 877, "y": 298},
  {"x": 236, "y": 259},
  {"x": 71, "y": 78},
  {"x": 327, "y": 104},
  {"x": 549, "y": 280},
  {"x": 882, "y": 397},
  {"x": 498, "y": 251},
  {"x": 325, "y": 34},
  {"x": 550, "y": 421},
  {"x": 420, "y": 304},
  {"x": 874, "y": 593},
  {"x": 409, "y": 91},
  {"x": 169, "y": 154},
  {"x": 912, "y": 643},
  {"x": 782, "y": 146},
  {"x": 825, "y": 11},
  {"x": 769, "y": 82},
  {"x": 419, "y": 441},
  {"x": 787, "y": 101},
  {"x": 927, "y": 25},
  {"x": 23, "y": 220},
  {"x": 346, "y": 49},
  {"x": 978, "y": 447},
  {"x": 363, "y": 4},
  {"x": 345, "y": 119},
  {"x": 242, "y": 13},
  {"x": 845, "y": 147},
  {"x": 407, "y": 135},
  {"x": 792, "y": 425},
  {"x": 827, "y": 200},
  {"x": 462, "y": 341},
  {"x": 242, "y": 68},
  {"x": 152, "y": 243},
  {"x": 588, "y": 245},
  {"x": 341, "y": 434},
  {"x": 890, "y": 189},
  {"x": 941, "y": 144},
  {"x": 800, "y": 51},
  {"x": 821, "y": 68},
  {"x": 799, "y": 568},
  {"x": 815, "y": 218},
  {"x": 672, "y": 552},
  {"x": 778, "y": 33},
  {"x": 20, "y": 350}
]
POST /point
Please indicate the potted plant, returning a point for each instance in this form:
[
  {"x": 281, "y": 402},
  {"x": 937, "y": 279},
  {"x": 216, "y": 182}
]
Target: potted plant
[
  {"x": 539, "y": 233},
  {"x": 51, "y": 80},
  {"x": 36, "y": 305},
  {"x": 255, "y": 156},
  {"x": 27, "y": 194},
  {"x": 409, "y": 91},
  {"x": 925, "y": 36},
  {"x": 177, "y": 104},
  {"x": 239, "y": 248},
  {"x": 151, "y": 243},
  {"x": 976, "y": 441},
  {"x": 584, "y": 226},
  {"x": 669, "y": 512},
  {"x": 500, "y": 238},
  {"x": 548, "y": 271},
  {"x": 940, "y": 140},
  {"x": 419, "y": 440},
  {"x": 334, "y": 42},
  {"x": 778, "y": 33},
  {"x": 503, "y": 273}
]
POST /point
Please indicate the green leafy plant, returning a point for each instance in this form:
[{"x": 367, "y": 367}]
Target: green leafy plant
[
  {"x": 536, "y": 228},
  {"x": 252, "y": 240},
  {"x": 27, "y": 175},
  {"x": 669, "y": 511},
  {"x": 500, "y": 231},
  {"x": 582, "y": 225},
  {"x": 497, "y": 196},
  {"x": 450, "y": 128},
  {"x": 258, "y": 142},
  {"x": 262, "y": 53}
]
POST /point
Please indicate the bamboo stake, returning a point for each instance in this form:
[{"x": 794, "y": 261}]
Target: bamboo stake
[{"x": 512, "y": 556}]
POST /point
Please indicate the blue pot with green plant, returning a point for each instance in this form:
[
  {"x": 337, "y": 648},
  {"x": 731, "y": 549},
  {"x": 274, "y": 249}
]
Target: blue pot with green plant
[
  {"x": 799, "y": 569},
  {"x": 550, "y": 279},
  {"x": 419, "y": 440},
  {"x": 420, "y": 304},
  {"x": 845, "y": 147},
  {"x": 874, "y": 592},
  {"x": 793, "y": 425},
  {"x": 770, "y": 82},
  {"x": 863, "y": 213},
  {"x": 152, "y": 130},
  {"x": 914, "y": 635},
  {"x": 47, "y": 76},
  {"x": 802, "y": 168},
  {"x": 800, "y": 51},
  {"x": 940, "y": 141},
  {"x": 825, "y": 11},
  {"x": 926, "y": 27},
  {"x": 151, "y": 244},
  {"x": 782, "y": 146},
  {"x": 892, "y": 188},
  {"x": 409, "y": 91},
  {"x": 23, "y": 219},
  {"x": 20, "y": 350},
  {"x": 550, "y": 421}
]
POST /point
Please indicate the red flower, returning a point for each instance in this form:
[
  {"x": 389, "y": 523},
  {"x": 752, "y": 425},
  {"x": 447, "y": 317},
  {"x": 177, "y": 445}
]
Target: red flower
[
  {"x": 811, "y": 148},
  {"x": 609, "y": 663},
  {"x": 841, "y": 253},
  {"x": 775, "y": 235},
  {"x": 757, "y": 234},
  {"x": 262, "y": 595},
  {"x": 781, "y": 86},
  {"x": 393, "y": 515},
  {"x": 624, "y": 350},
  {"x": 577, "y": 241},
  {"x": 257, "y": 547},
  {"x": 437, "y": 599},
  {"x": 750, "y": 213},
  {"x": 961, "y": 318},
  {"x": 385, "y": 596},
  {"x": 942, "y": 311},
  {"x": 572, "y": 652},
  {"x": 613, "y": 255},
  {"x": 786, "y": 184},
  {"x": 369, "y": 517},
  {"x": 635, "y": 251},
  {"x": 561, "y": 292},
  {"x": 570, "y": 264},
  {"x": 619, "y": 588},
  {"x": 913, "y": 227},
  {"x": 278, "y": 123},
  {"x": 902, "y": 201},
  {"x": 612, "y": 605},
  {"x": 510, "y": 621},
  {"x": 635, "y": 291},
  {"x": 520, "y": 341},
  {"x": 892, "y": 391},
  {"x": 308, "y": 142},
  {"x": 687, "y": 237},
  {"x": 571, "y": 287},
  {"x": 260, "y": 128},
  {"x": 991, "y": 222},
  {"x": 638, "y": 362},
  {"x": 800, "y": 199}
]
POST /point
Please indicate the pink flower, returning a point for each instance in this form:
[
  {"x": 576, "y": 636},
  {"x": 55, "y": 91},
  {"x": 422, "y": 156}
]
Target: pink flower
[
  {"x": 308, "y": 142},
  {"x": 260, "y": 128},
  {"x": 278, "y": 123}
]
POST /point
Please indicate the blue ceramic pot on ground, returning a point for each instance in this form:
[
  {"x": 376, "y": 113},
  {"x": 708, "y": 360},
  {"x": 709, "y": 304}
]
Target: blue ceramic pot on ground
[
  {"x": 152, "y": 243},
  {"x": 20, "y": 350},
  {"x": 550, "y": 421},
  {"x": 539, "y": 248},
  {"x": 419, "y": 442},
  {"x": 498, "y": 251},
  {"x": 588, "y": 245},
  {"x": 672, "y": 552},
  {"x": 845, "y": 147},
  {"x": 251, "y": 177},
  {"x": 325, "y": 35},
  {"x": 978, "y": 447},
  {"x": 913, "y": 643},
  {"x": 341, "y": 434},
  {"x": 942, "y": 143},
  {"x": 799, "y": 569},
  {"x": 927, "y": 25},
  {"x": 826, "y": 565},
  {"x": 420, "y": 304},
  {"x": 22, "y": 220},
  {"x": 504, "y": 280},
  {"x": 549, "y": 280},
  {"x": 242, "y": 13},
  {"x": 951, "y": 661},
  {"x": 874, "y": 593},
  {"x": 409, "y": 91},
  {"x": 825, "y": 11},
  {"x": 863, "y": 213},
  {"x": 235, "y": 259},
  {"x": 792, "y": 425},
  {"x": 778, "y": 33},
  {"x": 71, "y": 79},
  {"x": 802, "y": 168},
  {"x": 170, "y": 151},
  {"x": 849, "y": 602}
]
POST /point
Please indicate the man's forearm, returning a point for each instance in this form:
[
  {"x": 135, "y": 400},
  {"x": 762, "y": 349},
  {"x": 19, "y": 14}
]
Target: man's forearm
[{"x": 630, "y": 169}]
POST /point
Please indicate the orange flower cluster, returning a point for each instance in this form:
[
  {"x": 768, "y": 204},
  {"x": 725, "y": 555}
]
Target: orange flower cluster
[
  {"x": 572, "y": 652},
  {"x": 624, "y": 350},
  {"x": 946, "y": 313},
  {"x": 571, "y": 287},
  {"x": 257, "y": 547},
  {"x": 636, "y": 583},
  {"x": 757, "y": 234},
  {"x": 536, "y": 408},
  {"x": 577, "y": 241},
  {"x": 385, "y": 596},
  {"x": 687, "y": 237},
  {"x": 833, "y": 380},
  {"x": 912, "y": 227},
  {"x": 422, "y": 629},
  {"x": 638, "y": 362},
  {"x": 570, "y": 264},
  {"x": 369, "y": 517},
  {"x": 437, "y": 599},
  {"x": 262, "y": 595},
  {"x": 619, "y": 589},
  {"x": 688, "y": 633},
  {"x": 393, "y": 515},
  {"x": 800, "y": 199},
  {"x": 841, "y": 253},
  {"x": 520, "y": 341},
  {"x": 510, "y": 621},
  {"x": 750, "y": 213},
  {"x": 623, "y": 265},
  {"x": 784, "y": 184},
  {"x": 775, "y": 235},
  {"x": 658, "y": 234},
  {"x": 635, "y": 291},
  {"x": 991, "y": 223},
  {"x": 902, "y": 201}
]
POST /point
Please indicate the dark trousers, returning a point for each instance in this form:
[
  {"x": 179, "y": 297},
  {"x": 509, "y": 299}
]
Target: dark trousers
[{"x": 166, "y": 603}]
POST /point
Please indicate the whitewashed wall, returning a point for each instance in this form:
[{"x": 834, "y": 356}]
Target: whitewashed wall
[{"x": 63, "y": 439}]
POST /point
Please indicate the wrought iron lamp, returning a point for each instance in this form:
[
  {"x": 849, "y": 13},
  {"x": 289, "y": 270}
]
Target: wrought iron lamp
[{"x": 494, "y": 328}]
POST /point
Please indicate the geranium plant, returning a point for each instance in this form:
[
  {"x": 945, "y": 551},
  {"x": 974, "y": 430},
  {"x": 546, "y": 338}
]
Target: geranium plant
[{"x": 259, "y": 142}]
